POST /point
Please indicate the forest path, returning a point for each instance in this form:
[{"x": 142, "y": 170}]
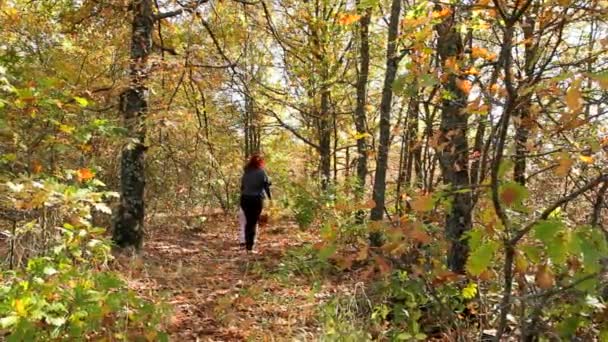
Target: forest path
[{"x": 217, "y": 291}]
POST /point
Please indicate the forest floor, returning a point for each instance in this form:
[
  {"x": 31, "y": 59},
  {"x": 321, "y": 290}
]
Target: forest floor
[{"x": 218, "y": 292}]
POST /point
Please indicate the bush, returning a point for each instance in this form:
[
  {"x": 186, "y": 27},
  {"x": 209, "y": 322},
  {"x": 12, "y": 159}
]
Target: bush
[{"x": 69, "y": 293}]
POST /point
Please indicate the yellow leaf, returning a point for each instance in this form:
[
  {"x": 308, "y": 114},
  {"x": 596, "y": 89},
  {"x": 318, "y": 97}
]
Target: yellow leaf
[
  {"x": 363, "y": 253},
  {"x": 67, "y": 129},
  {"x": 84, "y": 174},
  {"x": 19, "y": 307},
  {"x": 521, "y": 264},
  {"x": 586, "y": 159},
  {"x": 564, "y": 165},
  {"x": 472, "y": 71},
  {"x": 359, "y": 136},
  {"x": 423, "y": 203},
  {"x": 574, "y": 96}
]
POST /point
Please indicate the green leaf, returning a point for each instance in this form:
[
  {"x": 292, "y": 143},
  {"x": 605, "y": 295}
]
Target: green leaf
[
  {"x": 327, "y": 251},
  {"x": 568, "y": 326},
  {"x": 546, "y": 230},
  {"x": 475, "y": 238},
  {"x": 428, "y": 80},
  {"x": 404, "y": 336},
  {"x": 399, "y": 83},
  {"x": 481, "y": 258},
  {"x": 504, "y": 167},
  {"x": 533, "y": 253}
]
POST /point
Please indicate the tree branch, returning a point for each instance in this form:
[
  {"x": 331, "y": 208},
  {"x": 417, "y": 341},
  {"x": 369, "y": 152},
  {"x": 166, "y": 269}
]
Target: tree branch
[
  {"x": 545, "y": 214},
  {"x": 166, "y": 15}
]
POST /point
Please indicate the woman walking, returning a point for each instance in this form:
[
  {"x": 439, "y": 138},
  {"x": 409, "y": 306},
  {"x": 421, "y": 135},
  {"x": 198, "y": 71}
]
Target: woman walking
[{"x": 254, "y": 184}]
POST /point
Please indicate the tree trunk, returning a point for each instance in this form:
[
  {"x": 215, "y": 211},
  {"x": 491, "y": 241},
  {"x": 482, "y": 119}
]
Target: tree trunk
[
  {"x": 412, "y": 162},
  {"x": 522, "y": 122},
  {"x": 252, "y": 129},
  {"x": 325, "y": 133},
  {"x": 360, "y": 115},
  {"x": 392, "y": 61},
  {"x": 128, "y": 224},
  {"x": 453, "y": 157}
]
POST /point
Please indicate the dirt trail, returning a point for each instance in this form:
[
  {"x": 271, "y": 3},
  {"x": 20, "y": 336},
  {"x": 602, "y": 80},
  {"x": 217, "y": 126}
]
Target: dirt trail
[{"x": 217, "y": 291}]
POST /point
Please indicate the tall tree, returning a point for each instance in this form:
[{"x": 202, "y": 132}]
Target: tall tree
[
  {"x": 392, "y": 62},
  {"x": 129, "y": 217},
  {"x": 453, "y": 155},
  {"x": 360, "y": 116}
]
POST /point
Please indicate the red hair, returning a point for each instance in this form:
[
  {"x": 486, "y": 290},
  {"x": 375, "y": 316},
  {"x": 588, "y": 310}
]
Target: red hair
[{"x": 255, "y": 162}]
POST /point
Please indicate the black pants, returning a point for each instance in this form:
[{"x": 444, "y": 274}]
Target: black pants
[{"x": 252, "y": 206}]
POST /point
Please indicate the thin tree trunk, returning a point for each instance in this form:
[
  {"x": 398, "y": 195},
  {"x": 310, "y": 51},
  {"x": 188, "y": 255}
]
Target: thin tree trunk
[
  {"x": 392, "y": 61},
  {"x": 522, "y": 130},
  {"x": 129, "y": 217},
  {"x": 360, "y": 115},
  {"x": 453, "y": 157},
  {"x": 325, "y": 140},
  {"x": 413, "y": 148}
]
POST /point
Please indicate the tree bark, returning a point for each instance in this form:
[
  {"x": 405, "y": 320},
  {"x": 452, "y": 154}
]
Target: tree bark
[
  {"x": 325, "y": 132},
  {"x": 360, "y": 115},
  {"x": 522, "y": 122},
  {"x": 453, "y": 156},
  {"x": 392, "y": 61},
  {"x": 128, "y": 226}
]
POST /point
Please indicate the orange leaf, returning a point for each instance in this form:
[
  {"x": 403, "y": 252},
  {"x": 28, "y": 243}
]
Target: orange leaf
[
  {"x": 347, "y": 18},
  {"x": 451, "y": 64},
  {"x": 420, "y": 236},
  {"x": 423, "y": 203},
  {"x": 445, "y": 276},
  {"x": 37, "y": 167},
  {"x": 383, "y": 266},
  {"x": 443, "y": 13},
  {"x": 464, "y": 85},
  {"x": 84, "y": 174},
  {"x": 544, "y": 277}
]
